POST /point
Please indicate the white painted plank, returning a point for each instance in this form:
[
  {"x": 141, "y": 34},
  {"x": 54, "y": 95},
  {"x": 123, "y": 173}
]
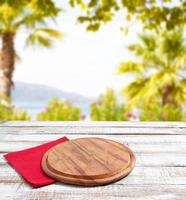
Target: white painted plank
[
  {"x": 94, "y": 123},
  {"x": 93, "y": 130},
  {"x": 139, "y": 175},
  {"x": 148, "y": 159},
  {"x": 105, "y": 192},
  {"x": 10, "y": 146},
  {"x": 147, "y": 139},
  {"x": 111, "y": 192},
  {"x": 150, "y": 150}
]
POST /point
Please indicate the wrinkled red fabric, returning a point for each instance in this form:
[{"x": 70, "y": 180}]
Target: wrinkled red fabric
[{"x": 28, "y": 163}]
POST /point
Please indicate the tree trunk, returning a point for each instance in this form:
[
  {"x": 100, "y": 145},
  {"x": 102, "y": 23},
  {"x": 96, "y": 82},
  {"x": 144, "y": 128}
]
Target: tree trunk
[
  {"x": 6, "y": 64},
  {"x": 167, "y": 95}
]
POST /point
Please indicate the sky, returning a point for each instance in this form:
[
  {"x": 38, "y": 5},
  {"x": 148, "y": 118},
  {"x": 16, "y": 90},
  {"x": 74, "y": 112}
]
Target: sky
[{"x": 82, "y": 62}]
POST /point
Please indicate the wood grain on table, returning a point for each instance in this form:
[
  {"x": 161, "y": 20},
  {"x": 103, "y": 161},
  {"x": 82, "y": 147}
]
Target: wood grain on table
[{"x": 159, "y": 173}]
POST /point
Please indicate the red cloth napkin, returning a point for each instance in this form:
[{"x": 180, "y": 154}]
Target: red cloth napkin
[{"x": 28, "y": 163}]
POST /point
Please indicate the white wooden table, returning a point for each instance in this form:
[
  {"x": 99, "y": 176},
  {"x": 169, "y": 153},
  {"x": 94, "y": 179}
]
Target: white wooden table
[{"x": 159, "y": 174}]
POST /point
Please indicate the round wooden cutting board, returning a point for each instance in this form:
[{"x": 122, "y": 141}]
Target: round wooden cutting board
[{"x": 88, "y": 161}]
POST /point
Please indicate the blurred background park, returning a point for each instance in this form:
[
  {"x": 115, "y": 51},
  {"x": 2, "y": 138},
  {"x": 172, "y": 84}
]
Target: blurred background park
[{"x": 99, "y": 60}]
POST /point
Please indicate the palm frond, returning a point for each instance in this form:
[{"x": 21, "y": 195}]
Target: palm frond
[
  {"x": 29, "y": 20},
  {"x": 129, "y": 66},
  {"x": 28, "y": 14},
  {"x": 43, "y": 37},
  {"x": 164, "y": 77},
  {"x": 17, "y": 57},
  {"x": 51, "y": 32},
  {"x": 148, "y": 41},
  {"x": 172, "y": 40}
]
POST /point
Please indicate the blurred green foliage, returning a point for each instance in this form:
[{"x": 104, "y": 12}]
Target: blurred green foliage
[
  {"x": 57, "y": 110},
  {"x": 159, "y": 86},
  {"x": 9, "y": 112},
  {"x": 107, "y": 108},
  {"x": 153, "y": 13},
  {"x": 159, "y": 71},
  {"x": 157, "y": 112}
]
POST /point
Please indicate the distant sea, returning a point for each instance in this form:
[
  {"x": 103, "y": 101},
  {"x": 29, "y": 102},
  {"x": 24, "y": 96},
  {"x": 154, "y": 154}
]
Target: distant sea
[{"x": 33, "y": 107}]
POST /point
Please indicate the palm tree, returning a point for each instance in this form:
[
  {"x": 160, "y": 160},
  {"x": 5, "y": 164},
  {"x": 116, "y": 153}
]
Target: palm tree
[
  {"x": 30, "y": 16},
  {"x": 160, "y": 72}
]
